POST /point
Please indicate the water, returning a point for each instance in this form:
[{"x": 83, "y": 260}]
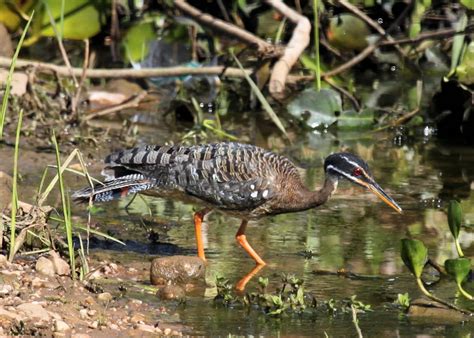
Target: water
[{"x": 353, "y": 231}]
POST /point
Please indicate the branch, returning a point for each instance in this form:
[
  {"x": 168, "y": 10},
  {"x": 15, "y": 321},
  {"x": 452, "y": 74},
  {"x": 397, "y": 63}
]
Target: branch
[
  {"x": 204, "y": 19},
  {"x": 126, "y": 73},
  {"x": 297, "y": 44}
]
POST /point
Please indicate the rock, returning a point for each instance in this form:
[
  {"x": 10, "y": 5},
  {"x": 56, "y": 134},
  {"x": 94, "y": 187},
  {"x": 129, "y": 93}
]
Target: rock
[
  {"x": 9, "y": 314},
  {"x": 83, "y": 314},
  {"x": 80, "y": 335},
  {"x": 171, "y": 292},
  {"x": 433, "y": 311},
  {"x": 137, "y": 318},
  {"x": 45, "y": 266},
  {"x": 3, "y": 258},
  {"x": 104, "y": 297},
  {"x": 167, "y": 331},
  {"x": 34, "y": 310},
  {"x": 18, "y": 84},
  {"x": 6, "y": 183},
  {"x": 176, "y": 269},
  {"x": 61, "y": 267},
  {"x": 145, "y": 327},
  {"x": 5, "y": 289},
  {"x": 60, "y": 326}
]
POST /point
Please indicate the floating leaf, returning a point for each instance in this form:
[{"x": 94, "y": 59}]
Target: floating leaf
[
  {"x": 347, "y": 32},
  {"x": 454, "y": 217},
  {"x": 414, "y": 255},
  {"x": 458, "y": 268},
  {"x": 316, "y": 108}
]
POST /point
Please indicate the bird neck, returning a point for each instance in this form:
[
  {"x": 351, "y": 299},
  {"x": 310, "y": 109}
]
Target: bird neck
[{"x": 304, "y": 199}]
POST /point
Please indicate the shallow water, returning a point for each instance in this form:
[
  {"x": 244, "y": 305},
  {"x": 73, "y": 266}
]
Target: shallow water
[{"x": 353, "y": 231}]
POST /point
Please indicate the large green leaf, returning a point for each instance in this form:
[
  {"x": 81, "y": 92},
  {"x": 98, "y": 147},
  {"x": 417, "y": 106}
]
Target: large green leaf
[
  {"x": 415, "y": 255},
  {"x": 316, "y": 108},
  {"x": 458, "y": 268},
  {"x": 468, "y": 3},
  {"x": 136, "y": 42},
  {"x": 465, "y": 70},
  {"x": 81, "y": 19},
  {"x": 454, "y": 217}
]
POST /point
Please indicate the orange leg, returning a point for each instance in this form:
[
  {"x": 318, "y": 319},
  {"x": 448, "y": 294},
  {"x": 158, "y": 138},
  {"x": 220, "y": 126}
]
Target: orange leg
[
  {"x": 198, "y": 217},
  {"x": 242, "y": 240}
]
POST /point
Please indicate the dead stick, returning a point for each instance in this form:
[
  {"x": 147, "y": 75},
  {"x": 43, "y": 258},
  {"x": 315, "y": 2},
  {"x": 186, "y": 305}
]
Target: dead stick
[
  {"x": 126, "y": 73},
  {"x": 130, "y": 103},
  {"x": 295, "y": 47},
  {"x": 440, "y": 34},
  {"x": 225, "y": 27}
]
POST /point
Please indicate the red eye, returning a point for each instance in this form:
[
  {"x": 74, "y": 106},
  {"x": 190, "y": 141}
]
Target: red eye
[{"x": 357, "y": 172}]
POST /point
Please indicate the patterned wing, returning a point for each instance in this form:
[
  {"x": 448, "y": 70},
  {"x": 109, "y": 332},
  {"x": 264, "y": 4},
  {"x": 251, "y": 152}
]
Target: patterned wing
[{"x": 230, "y": 176}]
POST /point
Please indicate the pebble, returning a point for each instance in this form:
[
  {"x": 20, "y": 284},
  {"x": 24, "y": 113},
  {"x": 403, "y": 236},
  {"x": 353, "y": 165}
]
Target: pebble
[
  {"x": 167, "y": 331},
  {"x": 61, "y": 267},
  {"x": 94, "y": 324},
  {"x": 83, "y": 314},
  {"x": 80, "y": 335},
  {"x": 145, "y": 327},
  {"x": 61, "y": 326},
  {"x": 5, "y": 289},
  {"x": 137, "y": 318},
  {"x": 45, "y": 266},
  {"x": 104, "y": 297},
  {"x": 92, "y": 313},
  {"x": 3, "y": 260},
  {"x": 171, "y": 292},
  {"x": 34, "y": 310},
  {"x": 113, "y": 327},
  {"x": 176, "y": 269}
]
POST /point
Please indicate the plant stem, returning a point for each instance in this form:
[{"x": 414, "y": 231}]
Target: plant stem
[
  {"x": 439, "y": 300},
  {"x": 15, "y": 188},
  {"x": 356, "y": 321},
  {"x": 66, "y": 210},
  {"x": 316, "y": 44},
  {"x": 458, "y": 248},
  {"x": 465, "y": 293}
]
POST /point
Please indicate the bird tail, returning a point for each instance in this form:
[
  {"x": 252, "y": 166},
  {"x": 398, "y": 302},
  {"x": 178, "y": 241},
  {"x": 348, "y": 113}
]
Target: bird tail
[{"x": 114, "y": 189}]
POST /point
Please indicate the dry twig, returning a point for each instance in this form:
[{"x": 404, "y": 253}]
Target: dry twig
[{"x": 297, "y": 44}]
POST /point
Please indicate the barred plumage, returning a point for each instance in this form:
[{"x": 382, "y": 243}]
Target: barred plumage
[{"x": 240, "y": 179}]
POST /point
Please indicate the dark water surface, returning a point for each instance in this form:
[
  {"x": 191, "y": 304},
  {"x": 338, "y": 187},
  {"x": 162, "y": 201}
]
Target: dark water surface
[{"x": 352, "y": 231}]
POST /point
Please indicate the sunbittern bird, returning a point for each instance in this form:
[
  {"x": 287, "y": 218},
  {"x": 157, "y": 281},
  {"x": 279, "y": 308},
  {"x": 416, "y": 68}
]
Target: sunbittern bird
[{"x": 239, "y": 179}]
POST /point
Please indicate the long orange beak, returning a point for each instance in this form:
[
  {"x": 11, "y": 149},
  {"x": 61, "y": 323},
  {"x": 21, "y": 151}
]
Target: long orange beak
[{"x": 378, "y": 191}]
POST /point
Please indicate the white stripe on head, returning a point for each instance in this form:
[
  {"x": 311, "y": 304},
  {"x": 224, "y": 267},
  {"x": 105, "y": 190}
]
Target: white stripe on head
[
  {"x": 366, "y": 174},
  {"x": 339, "y": 171}
]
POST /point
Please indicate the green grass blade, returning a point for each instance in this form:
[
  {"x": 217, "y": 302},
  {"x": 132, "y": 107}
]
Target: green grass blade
[
  {"x": 316, "y": 44},
  {"x": 66, "y": 209},
  {"x": 3, "y": 110},
  {"x": 15, "y": 189},
  {"x": 266, "y": 106}
]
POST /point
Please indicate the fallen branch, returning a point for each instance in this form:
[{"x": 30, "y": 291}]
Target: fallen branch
[
  {"x": 264, "y": 48},
  {"x": 126, "y": 73},
  {"x": 295, "y": 47},
  {"x": 132, "y": 102}
]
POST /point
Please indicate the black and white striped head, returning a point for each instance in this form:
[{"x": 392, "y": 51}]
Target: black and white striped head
[{"x": 356, "y": 170}]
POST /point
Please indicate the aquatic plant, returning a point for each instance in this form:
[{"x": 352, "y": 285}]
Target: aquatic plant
[{"x": 415, "y": 256}]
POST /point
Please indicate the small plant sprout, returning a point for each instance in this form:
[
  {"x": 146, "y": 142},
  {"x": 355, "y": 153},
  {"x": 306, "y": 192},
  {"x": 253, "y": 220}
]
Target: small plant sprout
[
  {"x": 403, "y": 300},
  {"x": 454, "y": 221},
  {"x": 459, "y": 269}
]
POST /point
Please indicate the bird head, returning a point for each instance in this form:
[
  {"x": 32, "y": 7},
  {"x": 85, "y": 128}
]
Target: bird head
[{"x": 354, "y": 169}]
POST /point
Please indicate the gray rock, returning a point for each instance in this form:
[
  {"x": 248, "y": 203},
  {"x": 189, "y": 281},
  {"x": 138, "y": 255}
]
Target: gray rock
[
  {"x": 45, "y": 266},
  {"x": 171, "y": 292},
  {"x": 104, "y": 297},
  {"x": 61, "y": 267},
  {"x": 60, "y": 326},
  {"x": 176, "y": 269},
  {"x": 33, "y": 310}
]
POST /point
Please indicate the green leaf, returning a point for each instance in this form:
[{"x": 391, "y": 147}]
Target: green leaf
[
  {"x": 137, "y": 40},
  {"x": 454, "y": 217},
  {"x": 458, "y": 268},
  {"x": 316, "y": 108},
  {"x": 469, "y": 4},
  {"x": 82, "y": 19},
  {"x": 465, "y": 70},
  {"x": 414, "y": 255}
]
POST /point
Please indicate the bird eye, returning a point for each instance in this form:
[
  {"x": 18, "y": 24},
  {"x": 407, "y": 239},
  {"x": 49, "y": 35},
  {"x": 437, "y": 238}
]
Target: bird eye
[{"x": 357, "y": 172}]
